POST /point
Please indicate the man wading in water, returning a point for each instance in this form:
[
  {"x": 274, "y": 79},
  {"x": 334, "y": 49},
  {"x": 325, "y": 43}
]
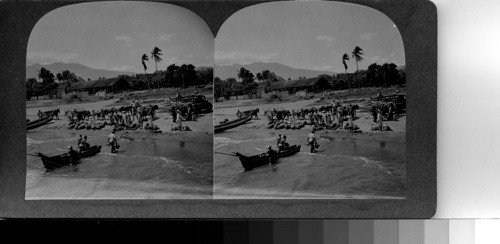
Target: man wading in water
[
  {"x": 311, "y": 141},
  {"x": 73, "y": 155},
  {"x": 112, "y": 142},
  {"x": 272, "y": 155}
]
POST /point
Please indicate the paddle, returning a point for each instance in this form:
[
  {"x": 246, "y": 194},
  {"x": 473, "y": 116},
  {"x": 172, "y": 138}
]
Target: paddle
[
  {"x": 229, "y": 154},
  {"x": 33, "y": 155}
]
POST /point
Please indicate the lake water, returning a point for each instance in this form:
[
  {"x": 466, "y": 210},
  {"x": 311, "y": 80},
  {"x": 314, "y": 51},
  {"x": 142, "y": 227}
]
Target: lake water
[
  {"x": 146, "y": 168},
  {"x": 343, "y": 168}
]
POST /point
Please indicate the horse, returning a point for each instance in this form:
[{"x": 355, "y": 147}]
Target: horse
[
  {"x": 53, "y": 113},
  {"x": 252, "y": 112}
]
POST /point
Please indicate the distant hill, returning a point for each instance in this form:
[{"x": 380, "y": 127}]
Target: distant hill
[
  {"x": 79, "y": 69},
  {"x": 284, "y": 71}
]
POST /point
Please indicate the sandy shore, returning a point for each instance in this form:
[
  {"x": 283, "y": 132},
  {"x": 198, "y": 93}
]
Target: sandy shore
[
  {"x": 201, "y": 129},
  {"x": 227, "y": 110}
]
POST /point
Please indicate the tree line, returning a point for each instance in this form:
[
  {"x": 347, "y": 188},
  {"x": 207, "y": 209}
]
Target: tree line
[
  {"x": 248, "y": 84},
  {"x": 174, "y": 76},
  {"x": 376, "y": 75}
]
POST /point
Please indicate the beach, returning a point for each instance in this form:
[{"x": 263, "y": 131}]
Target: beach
[
  {"x": 166, "y": 165},
  {"x": 364, "y": 165}
]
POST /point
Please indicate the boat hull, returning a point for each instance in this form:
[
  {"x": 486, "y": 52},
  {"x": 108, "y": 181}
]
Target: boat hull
[
  {"x": 251, "y": 162},
  {"x": 37, "y": 123},
  {"x": 51, "y": 163},
  {"x": 231, "y": 124}
]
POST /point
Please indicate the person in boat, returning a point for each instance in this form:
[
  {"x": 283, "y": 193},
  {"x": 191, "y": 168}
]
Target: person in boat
[
  {"x": 272, "y": 154},
  {"x": 80, "y": 140},
  {"x": 311, "y": 141},
  {"x": 284, "y": 144},
  {"x": 238, "y": 113},
  {"x": 278, "y": 141},
  {"x": 85, "y": 144}
]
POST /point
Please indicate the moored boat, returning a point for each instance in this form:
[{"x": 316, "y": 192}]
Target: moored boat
[
  {"x": 232, "y": 124},
  {"x": 250, "y": 162},
  {"x": 37, "y": 123},
  {"x": 58, "y": 161}
]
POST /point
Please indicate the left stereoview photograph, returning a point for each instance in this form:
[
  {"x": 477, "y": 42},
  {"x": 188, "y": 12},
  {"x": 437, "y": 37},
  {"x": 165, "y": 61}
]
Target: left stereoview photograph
[{"x": 119, "y": 103}]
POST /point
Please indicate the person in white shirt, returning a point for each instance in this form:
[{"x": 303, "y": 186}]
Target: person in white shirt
[
  {"x": 311, "y": 141},
  {"x": 112, "y": 141}
]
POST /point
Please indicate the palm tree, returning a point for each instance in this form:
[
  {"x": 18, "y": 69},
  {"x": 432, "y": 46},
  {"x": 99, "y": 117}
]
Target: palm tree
[
  {"x": 155, "y": 54},
  {"x": 356, "y": 54},
  {"x": 346, "y": 58},
  {"x": 143, "y": 61}
]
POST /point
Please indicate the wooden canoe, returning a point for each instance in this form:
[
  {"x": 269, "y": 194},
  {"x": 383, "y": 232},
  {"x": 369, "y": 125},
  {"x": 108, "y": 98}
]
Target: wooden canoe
[
  {"x": 58, "y": 161},
  {"x": 251, "y": 162},
  {"x": 231, "y": 124},
  {"x": 37, "y": 123}
]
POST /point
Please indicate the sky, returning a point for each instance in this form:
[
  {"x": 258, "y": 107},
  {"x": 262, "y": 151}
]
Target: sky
[
  {"x": 114, "y": 35},
  {"x": 308, "y": 34}
]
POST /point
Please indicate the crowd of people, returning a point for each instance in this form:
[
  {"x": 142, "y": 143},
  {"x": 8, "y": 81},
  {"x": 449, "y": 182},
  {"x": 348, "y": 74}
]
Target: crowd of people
[
  {"x": 328, "y": 117},
  {"x": 128, "y": 117},
  {"x": 334, "y": 116}
]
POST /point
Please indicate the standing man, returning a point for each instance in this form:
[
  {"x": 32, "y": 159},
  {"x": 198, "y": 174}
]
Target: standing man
[
  {"x": 272, "y": 155},
  {"x": 311, "y": 140},
  {"x": 112, "y": 141}
]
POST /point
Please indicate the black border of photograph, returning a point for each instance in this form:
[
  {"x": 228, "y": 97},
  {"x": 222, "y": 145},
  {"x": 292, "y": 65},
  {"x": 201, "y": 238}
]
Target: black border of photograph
[{"x": 417, "y": 23}]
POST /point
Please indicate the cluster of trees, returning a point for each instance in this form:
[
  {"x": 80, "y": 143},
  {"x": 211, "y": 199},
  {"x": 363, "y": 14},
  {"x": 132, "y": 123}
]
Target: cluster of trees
[
  {"x": 376, "y": 75},
  {"x": 384, "y": 75},
  {"x": 248, "y": 83},
  {"x": 48, "y": 84},
  {"x": 174, "y": 76}
]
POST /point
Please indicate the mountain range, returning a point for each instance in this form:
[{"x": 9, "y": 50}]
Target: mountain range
[
  {"x": 284, "y": 71},
  {"x": 220, "y": 71},
  {"x": 80, "y": 70}
]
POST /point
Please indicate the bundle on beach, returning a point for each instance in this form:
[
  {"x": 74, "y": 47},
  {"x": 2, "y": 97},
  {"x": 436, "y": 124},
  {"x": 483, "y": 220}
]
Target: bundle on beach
[{"x": 180, "y": 128}]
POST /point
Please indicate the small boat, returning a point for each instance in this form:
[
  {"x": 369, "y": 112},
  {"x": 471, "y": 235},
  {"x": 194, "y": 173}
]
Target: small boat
[
  {"x": 232, "y": 124},
  {"x": 263, "y": 159},
  {"x": 37, "y": 123},
  {"x": 58, "y": 161}
]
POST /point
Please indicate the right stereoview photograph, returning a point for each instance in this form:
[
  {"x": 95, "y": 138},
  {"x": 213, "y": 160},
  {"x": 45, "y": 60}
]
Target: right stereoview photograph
[{"x": 310, "y": 102}]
